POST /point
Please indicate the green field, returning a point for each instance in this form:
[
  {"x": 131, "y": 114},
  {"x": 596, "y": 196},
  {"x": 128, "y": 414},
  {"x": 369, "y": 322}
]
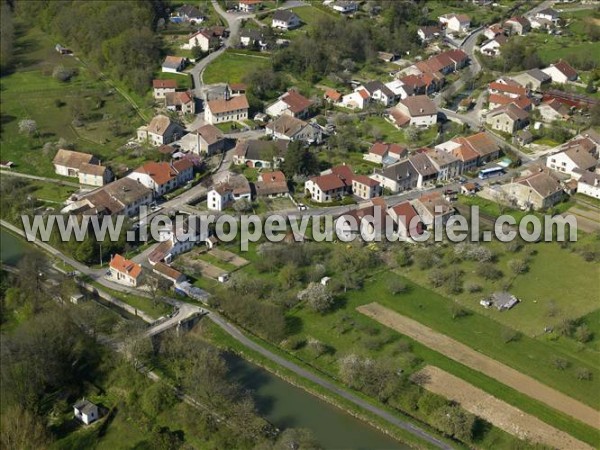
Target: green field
[
  {"x": 31, "y": 92},
  {"x": 231, "y": 67}
]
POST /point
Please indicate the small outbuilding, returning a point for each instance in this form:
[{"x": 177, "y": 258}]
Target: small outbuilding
[
  {"x": 86, "y": 411},
  {"x": 503, "y": 300}
]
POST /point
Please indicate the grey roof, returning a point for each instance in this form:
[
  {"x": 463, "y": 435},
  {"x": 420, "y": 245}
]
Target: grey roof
[
  {"x": 422, "y": 164},
  {"x": 255, "y": 35},
  {"x": 548, "y": 12},
  {"x": 374, "y": 86},
  {"x": 189, "y": 11},
  {"x": 402, "y": 170},
  {"x": 85, "y": 406},
  {"x": 542, "y": 77},
  {"x": 285, "y": 15},
  {"x": 261, "y": 150},
  {"x": 590, "y": 178}
]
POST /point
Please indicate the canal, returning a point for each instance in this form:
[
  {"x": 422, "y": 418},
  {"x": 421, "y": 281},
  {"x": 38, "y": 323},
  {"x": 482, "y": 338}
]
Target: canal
[{"x": 280, "y": 402}]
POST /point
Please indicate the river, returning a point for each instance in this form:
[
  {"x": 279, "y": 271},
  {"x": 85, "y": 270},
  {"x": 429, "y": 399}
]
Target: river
[
  {"x": 278, "y": 401},
  {"x": 287, "y": 406}
]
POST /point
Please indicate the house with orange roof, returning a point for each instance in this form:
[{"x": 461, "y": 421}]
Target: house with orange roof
[
  {"x": 124, "y": 271},
  {"x": 271, "y": 184},
  {"x": 292, "y": 103},
  {"x": 407, "y": 222},
  {"x": 181, "y": 102},
  {"x": 359, "y": 99},
  {"x": 508, "y": 87},
  {"x": 330, "y": 185},
  {"x": 249, "y": 6},
  {"x": 163, "y": 177},
  {"x": 385, "y": 153},
  {"x": 226, "y": 109},
  {"x": 332, "y": 96},
  {"x": 173, "y": 64},
  {"x": 161, "y": 87},
  {"x": 365, "y": 187}
]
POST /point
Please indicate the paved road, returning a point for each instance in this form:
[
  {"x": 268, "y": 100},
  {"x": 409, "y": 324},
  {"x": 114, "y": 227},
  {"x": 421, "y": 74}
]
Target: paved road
[{"x": 34, "y": 177}]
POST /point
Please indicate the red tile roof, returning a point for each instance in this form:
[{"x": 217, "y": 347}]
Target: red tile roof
[
  {"x": 233, "y": 104},
  {"x": 363, "y": 179},
  {"x": 510, "y": 88},
  {"x": 333, "y": 94},
  {"x": 406, "y": 214},
  {"x": 125, "y": 266},
  {"x": 164, "y": 84},
  {"x": 566, "y": 69},
  {"x": 296, "y": 101},
  {"x": 329, "y": 182}
]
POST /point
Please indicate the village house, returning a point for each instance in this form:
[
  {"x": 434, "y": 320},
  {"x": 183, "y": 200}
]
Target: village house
[
  {"x": 493, "y": 30},
  {"x": 553, "y": 110},
  {"x": 163, "y": 177},
  {"x": 523, "y": 137},
  {"x": 227, "y": 109},
  {"x": 162, "y": 87},
  {"x": 236, "y": 187},
  {"x": 533, "y": 79},
  {"x": 369, "y": 217},
  {"x": 271, "y": 184},
  {"x": 431, "y": 208},
  {"x": 550, "y": 15},
  {"x": 589, "y": 184},
  {"x": 333, "y": 184},
  {"x": 292, "y": 103},
  {"x": 94, "y": 175},
  {"x": 175, "y": 241},
  {"x": 291, "y": 129},
  {"x": 398, "y": 177},
  {"x": 407, "y": 222},
  {"x": 203, "y": 39},
  {"x": 522, "y": 102},
  {"x": 418, "y": 111},
  {"x": 173, "y": 64},
  {"x": 425, "y": 169},
  {"x": 508, "y": 88},
  {"x": 207, "y": 140},
  {"x": 474, "y": 150},
  {"x": 537, "y": 191},
  {"x": 379, "y": 92},
  {"x": 401, "y": 90},
  {"x": 189, "y": 14},
  {"x": 168, "y": 273},
  {"x": 260, "y": 154},
  {"x": 181, "y": 102},
  {"x": 359, "y": 99},
  {"x": 86, "y": 411},
  {"x": 124, "y": 196},
  {"x": 124, "y": 271},
  {"x": 463, "y": 152},
  {"x": 458, "y": 23},
  {"x": 344, "y": 6},
  {"x": 445, "y": 163},
  {"x": 250, "y": 37},
  {"x": 518, "y": 25},
  {"x": 572, "y": 161},
  {"x": 384, "y": 153},
  {"x": 364, "y": 187},
  {"x": 249, "y": 6},
  {"x": 285, "y": 19},
  {"x": 492, "y": 46},
  {"x": 561, "y": 72},
  {"x": 429, "y": 33},
  {"x": 443, "y": 63},
  {"x": 161, "y": 130},
  {"x": 508, "y": 119},
  {"x": 332, "y": 96}
]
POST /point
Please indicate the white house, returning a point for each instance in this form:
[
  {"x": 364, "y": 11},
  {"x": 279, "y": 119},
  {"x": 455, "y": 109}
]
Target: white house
[
  {"x": 173, "y": 64},
  {"x": 379, "y": 92},
  {"x": 182, "y": 102},
  {"x": 459, "y": 23},
  {"x": 571, "y": 161},
  {"x": 589, "y": 184},
  {"x": 203, "y": 39},
  {"x": 553, "y": 110},
  {"x": 549, "y": 14},
  {"x": 291, "y": 129},
  {"x": 85, "y": 411},
  {"x": 359, "y": 99},
  {"x": 285, "y": 19},
  {"x": 227, "y": 109},
  {"x": 190, "y": 14},
  {"x": 124, "y": 271},
  {"x": 249, "y": 6},
  {"x": 292, "y": 103},
  {"x": 94, "y": 175},
  {"x": 161, "y": 130},
  {"x": 492, "y": 47},
  {"x": 418, "y": 111},
  {"x": 344, "y": 6},
  {"x": 162, "y": 87},
  {"x": 163, "y": 177},
  {"x": 236, "y": 187},
  {"x": 561, "y": 72}
]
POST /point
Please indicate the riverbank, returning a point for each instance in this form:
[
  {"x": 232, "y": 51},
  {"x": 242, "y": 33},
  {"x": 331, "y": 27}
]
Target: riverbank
[{"x": 403, "y": 438}]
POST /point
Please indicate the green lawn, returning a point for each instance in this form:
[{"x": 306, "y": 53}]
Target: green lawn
[
  {"x": 377, "y": 126},
  {"x": 552, "y": 48},
  {"x": 32, "y": 93},
  {"x": 231, "y": 67}
]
